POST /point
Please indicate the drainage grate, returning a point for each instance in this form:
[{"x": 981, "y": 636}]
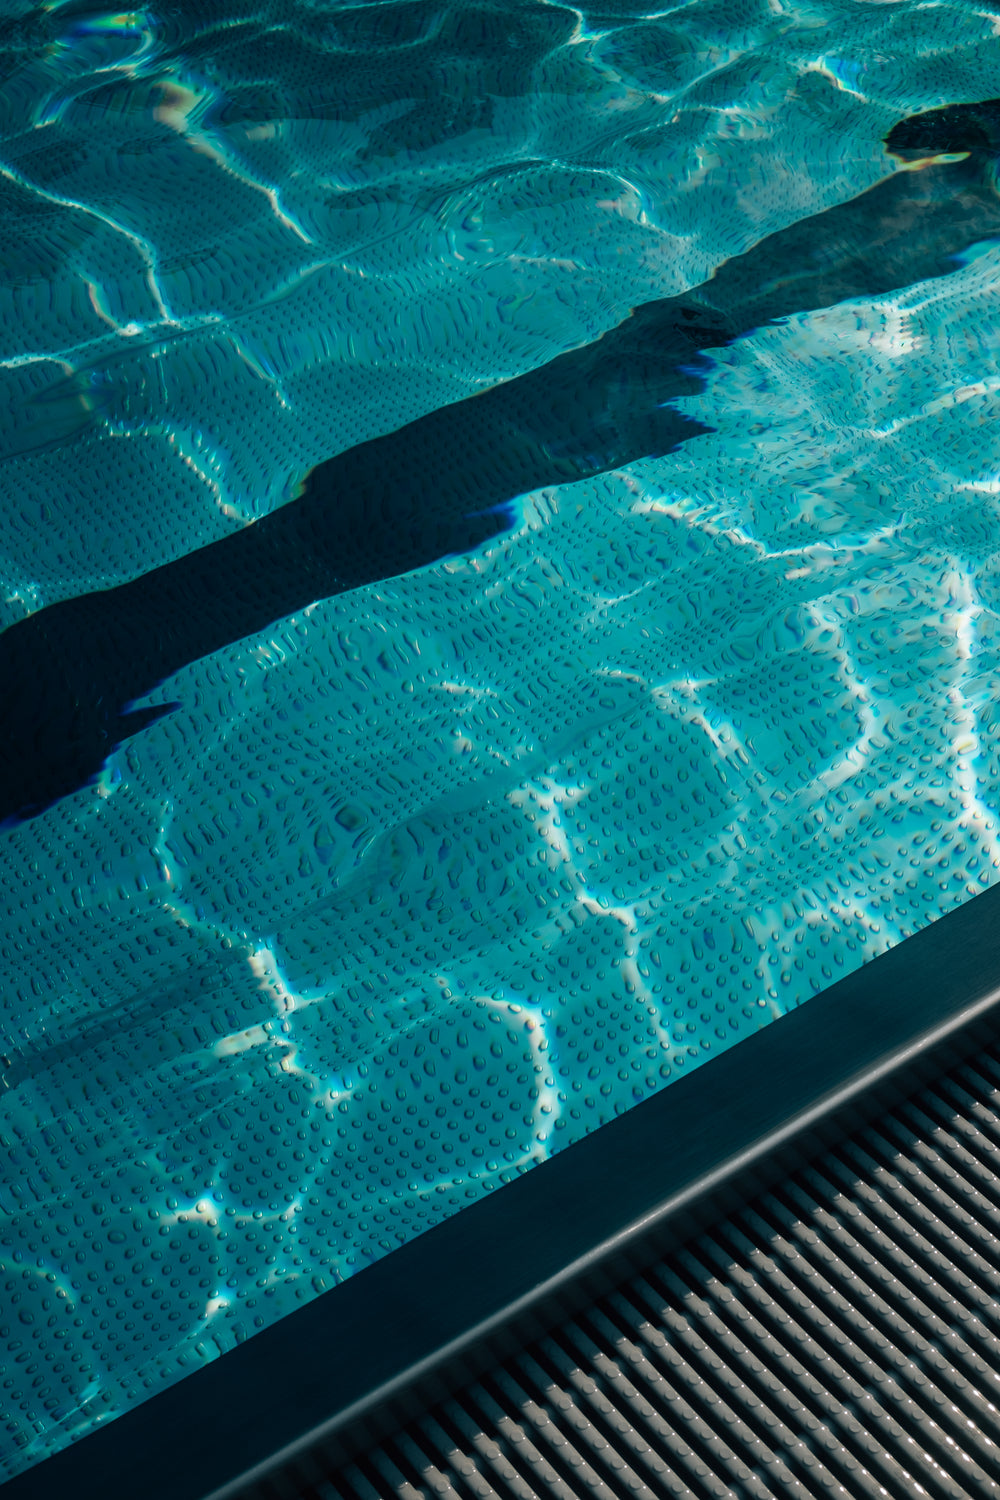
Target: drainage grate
[{"x": 839, "y": 1336}]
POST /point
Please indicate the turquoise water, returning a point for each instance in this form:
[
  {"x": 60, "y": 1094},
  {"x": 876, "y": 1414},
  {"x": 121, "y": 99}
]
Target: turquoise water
[{"x": 433, "y": 877}]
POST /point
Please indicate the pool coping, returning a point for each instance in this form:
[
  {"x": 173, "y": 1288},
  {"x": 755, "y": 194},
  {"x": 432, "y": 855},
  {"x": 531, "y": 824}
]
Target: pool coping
[{"x": 338, "y": 1374}]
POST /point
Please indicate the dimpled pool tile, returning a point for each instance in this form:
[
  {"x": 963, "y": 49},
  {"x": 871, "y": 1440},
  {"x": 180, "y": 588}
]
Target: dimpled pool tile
[{"x": 429, "y": 879}]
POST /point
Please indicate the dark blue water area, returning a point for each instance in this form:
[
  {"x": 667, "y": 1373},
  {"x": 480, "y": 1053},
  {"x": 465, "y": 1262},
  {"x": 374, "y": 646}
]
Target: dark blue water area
[{"x": 499, "y": 547}]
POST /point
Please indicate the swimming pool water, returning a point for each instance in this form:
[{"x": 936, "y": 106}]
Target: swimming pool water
[{"x": 437, "y": 875}]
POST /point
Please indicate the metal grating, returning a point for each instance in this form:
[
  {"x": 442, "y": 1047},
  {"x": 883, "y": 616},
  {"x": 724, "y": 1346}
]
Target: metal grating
[{"x": 837, "y": 1337}]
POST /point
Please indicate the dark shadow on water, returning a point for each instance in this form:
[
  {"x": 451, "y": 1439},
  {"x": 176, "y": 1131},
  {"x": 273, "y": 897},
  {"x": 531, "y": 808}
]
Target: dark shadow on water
[{"x": 70, "y": 674}]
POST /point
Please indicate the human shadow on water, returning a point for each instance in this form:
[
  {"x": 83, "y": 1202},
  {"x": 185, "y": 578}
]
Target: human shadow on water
[{"x": 71, "y": 674}]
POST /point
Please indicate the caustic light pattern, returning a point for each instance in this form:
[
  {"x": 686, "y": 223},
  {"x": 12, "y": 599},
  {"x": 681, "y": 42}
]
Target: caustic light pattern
[{"x": 428, "y": 879}]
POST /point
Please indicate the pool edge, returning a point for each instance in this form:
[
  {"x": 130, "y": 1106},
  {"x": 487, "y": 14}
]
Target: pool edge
[{"x": 329, "y": 1379}]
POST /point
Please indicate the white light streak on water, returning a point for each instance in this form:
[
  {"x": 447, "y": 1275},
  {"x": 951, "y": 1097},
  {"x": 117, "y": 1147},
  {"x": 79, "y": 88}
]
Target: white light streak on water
[
  {"x": 182, "y": 109},
  {"x": 829, "y": 635},
  {"x": 202, "y": 1210},
  {"x": 960, "y": 620},
  {"x": 146, "y": 250},
  {"x": 679, "y": 699},
  {"x": 629, "y": 966},
  {"x": 546, "y": 1106},
  {"x": 547, "y": 797},
  {"x": 219, "y": 1302}
]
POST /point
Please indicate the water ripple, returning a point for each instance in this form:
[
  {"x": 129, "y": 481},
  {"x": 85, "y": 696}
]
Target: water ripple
[{"x": 508, "y": 843}]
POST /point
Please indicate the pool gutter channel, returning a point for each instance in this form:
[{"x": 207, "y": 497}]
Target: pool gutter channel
[{"x": 302, "y": 1398}]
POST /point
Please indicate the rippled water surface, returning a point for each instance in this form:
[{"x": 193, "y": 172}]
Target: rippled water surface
[{"x": 430, "y": 878}]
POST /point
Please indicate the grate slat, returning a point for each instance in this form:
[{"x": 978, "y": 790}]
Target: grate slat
[{"x": 839, "y": 1336}]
